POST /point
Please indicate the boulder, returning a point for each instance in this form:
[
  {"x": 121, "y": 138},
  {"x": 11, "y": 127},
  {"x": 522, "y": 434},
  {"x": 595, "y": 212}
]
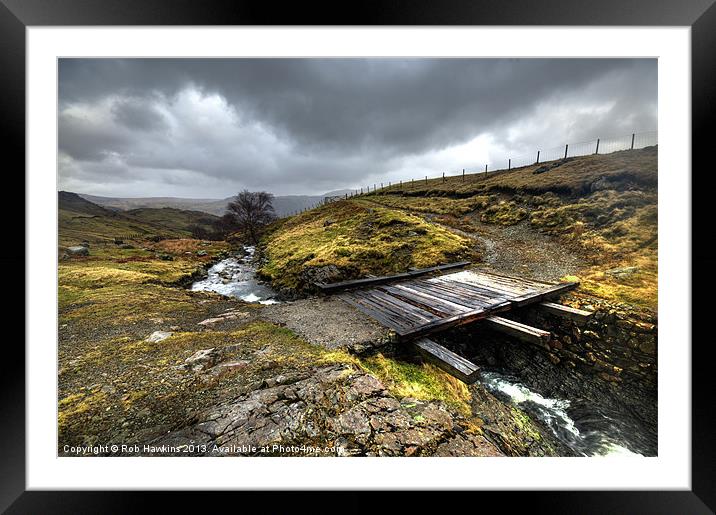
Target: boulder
[
  {"x": 79, "y": 250},
  {"x": 158, "y": 336}
]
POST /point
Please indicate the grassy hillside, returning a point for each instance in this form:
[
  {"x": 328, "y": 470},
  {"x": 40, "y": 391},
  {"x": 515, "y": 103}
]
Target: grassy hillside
[
  {"x": 353, "y": 238},
  {"x": 603, "y": 208},
  {"x": 172, "y": 218},
  {"x": 80, "y": 220}
]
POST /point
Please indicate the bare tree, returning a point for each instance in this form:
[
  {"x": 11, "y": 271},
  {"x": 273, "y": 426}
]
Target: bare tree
[{"x": 250, "y": 211}]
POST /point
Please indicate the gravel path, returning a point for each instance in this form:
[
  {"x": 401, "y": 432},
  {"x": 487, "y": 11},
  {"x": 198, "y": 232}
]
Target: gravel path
[
  {"x": 519, "y": 250},
  {"x": 327, "y": 321}
]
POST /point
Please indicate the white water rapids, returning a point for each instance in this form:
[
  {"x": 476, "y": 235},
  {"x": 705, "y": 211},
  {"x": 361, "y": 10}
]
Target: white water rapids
[
  {"x": 553, "y": 414},
  {"x": 236, "y": 277}
]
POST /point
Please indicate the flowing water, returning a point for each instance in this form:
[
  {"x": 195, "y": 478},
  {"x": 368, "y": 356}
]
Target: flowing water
[
  {"x": 236, "y": 277},
  {"x": 592, "y": 433}
]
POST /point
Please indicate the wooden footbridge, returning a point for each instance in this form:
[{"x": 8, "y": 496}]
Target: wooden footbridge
[{"x": 417, "y": 303}]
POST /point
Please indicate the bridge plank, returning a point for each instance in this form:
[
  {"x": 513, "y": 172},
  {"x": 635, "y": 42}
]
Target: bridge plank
[
  {"x": 447, "y": 360},
  {"x": 485, "y": 288},
  {"x": 522, "y": 331},
  {"x": 578, "y": 315},
  {"x": 470, "y": 302},
  {"x": 409, "y": 291},
  {"x": 418, "y": 311},
  {"x": 398, "y": 325},
  {"x": 488, "y": 294},
  {"x": 408, "y": 319}
]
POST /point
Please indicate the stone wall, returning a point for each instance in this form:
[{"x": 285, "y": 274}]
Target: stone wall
[{"x": 618, "y": 344}]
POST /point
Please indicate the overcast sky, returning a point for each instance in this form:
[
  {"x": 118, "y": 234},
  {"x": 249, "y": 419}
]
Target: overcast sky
[{"x": 207, "y": 128}]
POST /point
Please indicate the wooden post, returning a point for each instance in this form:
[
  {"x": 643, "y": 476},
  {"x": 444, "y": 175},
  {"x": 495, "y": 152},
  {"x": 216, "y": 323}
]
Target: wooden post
[
  {"x": 401, "y": 184},
  {"x": 426, "y": 179},
  {"x": 443, "y": 176},
  {"x": 509, "y": 164},
  {"x": 597, "y": 150},
  {"x": 463, "y": 174},
  {"x": 632, "y": 141},
  {"x": 537, "y": 157},
  {"x": 566, "y": 147},
  {"x": 485, "y": 168},
  {"x": 361, "y": 190}
]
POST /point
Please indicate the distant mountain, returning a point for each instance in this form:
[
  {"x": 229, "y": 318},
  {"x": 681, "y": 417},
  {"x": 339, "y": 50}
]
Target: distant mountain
[
  {"x": 283, "y": 205},
  {"x": 338, "y": 193},
  {"x": 212, "y": 206},
  {"x": 73, "y": 202},
  {"x": 80, "y": 220}
]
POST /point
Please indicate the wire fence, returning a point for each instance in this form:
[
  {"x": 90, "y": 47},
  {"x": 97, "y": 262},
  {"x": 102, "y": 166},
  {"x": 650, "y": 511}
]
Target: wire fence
[{"x": 600, "y": 146}]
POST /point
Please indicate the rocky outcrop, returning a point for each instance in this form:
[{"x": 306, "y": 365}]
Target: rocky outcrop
[{"x": 337, "y": 410}]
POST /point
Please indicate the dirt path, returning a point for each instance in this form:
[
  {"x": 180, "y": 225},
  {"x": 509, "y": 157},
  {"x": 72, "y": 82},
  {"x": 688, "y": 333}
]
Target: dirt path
[
  {"x": 519, "y": 250},
  {"x": 329, "y": 322}
]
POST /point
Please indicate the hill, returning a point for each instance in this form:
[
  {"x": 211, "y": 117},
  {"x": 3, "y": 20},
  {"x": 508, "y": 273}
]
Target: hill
[
  {"x": 593, "y": 217},
  {"x": 283, "y": 205},
  {"x": 81, "y": 220},
  {"x": 172, "y": 218}
]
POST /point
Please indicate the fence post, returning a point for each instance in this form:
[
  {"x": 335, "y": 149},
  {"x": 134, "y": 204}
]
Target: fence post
[
  {"x": 485, "y": 168},
  {"x": 632, "y": 141},
  {"x": 443, "y": 176},
  {"x": 463, "y": 174},
  {"x": 509, "y": 164},
  {"x": 597, "y": 150},
  {"x": 401, "y": 184},
  {"x": 537, "y": 157},
  {"x": 426, "y": 179},
  {"x": 566, "y": 147}
]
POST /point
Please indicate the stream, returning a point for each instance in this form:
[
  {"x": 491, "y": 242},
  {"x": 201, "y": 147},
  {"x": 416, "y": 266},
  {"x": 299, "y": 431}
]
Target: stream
[
  {"x": 236, "y": 277},
  {"x": 593, "y": 434}
]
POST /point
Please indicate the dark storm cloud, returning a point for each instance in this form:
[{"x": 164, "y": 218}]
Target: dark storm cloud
[{"x": 306, "y": 125}]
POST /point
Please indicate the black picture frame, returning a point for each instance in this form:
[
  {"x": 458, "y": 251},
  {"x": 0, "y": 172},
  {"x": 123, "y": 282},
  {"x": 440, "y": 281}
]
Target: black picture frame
[{"x": 700, "y": 15}]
